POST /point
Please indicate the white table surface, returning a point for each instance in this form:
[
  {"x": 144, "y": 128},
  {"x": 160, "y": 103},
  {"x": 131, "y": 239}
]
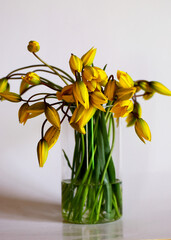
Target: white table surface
[{"x": 147, "y": 215}]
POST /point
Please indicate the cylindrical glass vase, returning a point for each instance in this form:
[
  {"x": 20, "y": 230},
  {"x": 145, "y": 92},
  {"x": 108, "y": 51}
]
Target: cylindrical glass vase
[{"x": 91, "y": 185}]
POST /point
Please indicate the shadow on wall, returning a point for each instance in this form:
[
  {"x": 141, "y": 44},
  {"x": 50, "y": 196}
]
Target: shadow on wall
[{"x": 29, "y": 210}]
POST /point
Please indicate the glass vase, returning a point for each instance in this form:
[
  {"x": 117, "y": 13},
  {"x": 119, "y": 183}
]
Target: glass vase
[{"x": 91, "y": 185}]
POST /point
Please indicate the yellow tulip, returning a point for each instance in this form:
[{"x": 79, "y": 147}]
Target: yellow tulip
[
  {"x": 110, "y": 89},
  {"x": 31, "y": 78},
  {"x": 75, "y": 64},
  {"x": 132, "y": 116},
  {"x": 148, "y": 95},
  {"x": 33, "y": 46},
  {"x": 102, "y": 76},
  {"x": 88, "y": 57},
  {"x": 122, "y": 108},
  {"x": 125, "y": 80},
  {"x": 10, "y": 96},
  {"x": 142, "y": 130},
  {"x": 77, "y": 114},
  {"x": 91, "y": 85},
  {"x": 66, "y": 94},
  {"x": 80, "y": 93},
  {"x": 160, "y": 88},
  {"x": 125, "y": 93},
  {"x": 51, "y": 136},
  {"x": 52, "y": 116},
  {"x": 23, "y": 115},
  {"x": 42, "y": 152}
]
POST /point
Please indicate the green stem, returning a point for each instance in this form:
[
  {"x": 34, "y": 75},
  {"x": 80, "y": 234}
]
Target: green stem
[
  {"x": 92, "y": 142},
  {"x": 50, "y": 68}
]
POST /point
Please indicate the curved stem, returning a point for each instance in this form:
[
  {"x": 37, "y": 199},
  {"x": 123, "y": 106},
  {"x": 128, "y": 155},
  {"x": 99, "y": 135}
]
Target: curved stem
[{"x": 50, "y": 68}]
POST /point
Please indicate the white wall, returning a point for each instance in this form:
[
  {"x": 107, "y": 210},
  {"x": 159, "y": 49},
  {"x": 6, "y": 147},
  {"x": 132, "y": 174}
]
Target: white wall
[{"x": 130, "y": 35}]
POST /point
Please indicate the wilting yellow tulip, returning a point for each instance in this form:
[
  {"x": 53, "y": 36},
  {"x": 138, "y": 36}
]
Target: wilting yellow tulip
[
  {"x": 42, "y": 151},
  {"x": 88, "y": 57},
  {"x": 52, "y": 116},
  {"x": 23, "y": 115},
  {"x": 125, "y": 80},
  {"x": 31, "y": 78},
  {"x": 142, "y": 130},
  {"x": 33, "y": 46},
  {"x": 79, "y": 121},
  {"x": 122, "y": 108},
  {"x": 10, "y": 96},
  {"x": 90, "y": 73},
  {"x": 160, "y": 88},
  {"x": 75, "y": 64},
  {"x": 110, "y": 89},
  {"x": 3, "y": 84},
  {"x": 125, "y": 93},
  {"x": 97, "y": 98},
  {"x": 80, "y": 93},
  {"x": 66, "y": 94},
  {"x": 51, "y": 136}
]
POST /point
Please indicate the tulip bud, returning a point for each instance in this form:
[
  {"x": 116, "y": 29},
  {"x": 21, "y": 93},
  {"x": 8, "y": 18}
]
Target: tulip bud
[
  {"x": 10, "y": 96},
  {"x": 42, "y": 152},
  {"x": 36, "y": 108},
  {"x": 75, "y": 64},
  {"x": 3, "y": 84},
  {"x": 23, "y": 86},
  {"x": 80, "y": 93},
  {"x": 160, "y": 88},
  {"x": 23, "y": 114},
  {"x": 32, "y": 78},
  {"x": 148, "y": 95},
  {"x": 52, "y": 116},
  {"x": 33, "y": 46},
  {"x": 51, "y": 136},
  {"x": 125, "y": 93},
  {"x": 88, "y": 57},
  {"x": 142, "y": 130},
  {"x": 144, "y": 85}
]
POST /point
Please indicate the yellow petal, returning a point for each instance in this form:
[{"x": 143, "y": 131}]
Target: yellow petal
[
  {"x": 110, "y": 90},
  {"x": 125, "y": 93},
  {"x": 3, "y": 84},
  {"x": 42, "y": 152},
  {"x": 77, "y": 114},
  {"x": 130, "y": 119},
  {"x": 80, "y": 93},
  {"x": 23, "y": 114},
  {"x": 88, "y": 57},
  {"x": 88, "y": 114},
  {"x": 122, "y": 108},
  {"x": 23, "y": 86},
  {"x": 52, "y": 116},
  {"x": 90, "y": 73},
  {"x": 37, "y": 108},
  {"x": 32, "y": 78}
]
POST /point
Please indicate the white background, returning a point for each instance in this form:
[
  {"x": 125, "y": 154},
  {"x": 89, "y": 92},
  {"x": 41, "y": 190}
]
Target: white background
[{"x": 130, "y": 35}]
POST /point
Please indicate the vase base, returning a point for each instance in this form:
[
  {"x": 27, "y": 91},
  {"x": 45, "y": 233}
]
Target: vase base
[{"x": 91, "y": 203}]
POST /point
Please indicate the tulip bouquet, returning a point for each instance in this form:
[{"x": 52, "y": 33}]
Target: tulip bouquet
[{"x": 91, "y": 102}]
